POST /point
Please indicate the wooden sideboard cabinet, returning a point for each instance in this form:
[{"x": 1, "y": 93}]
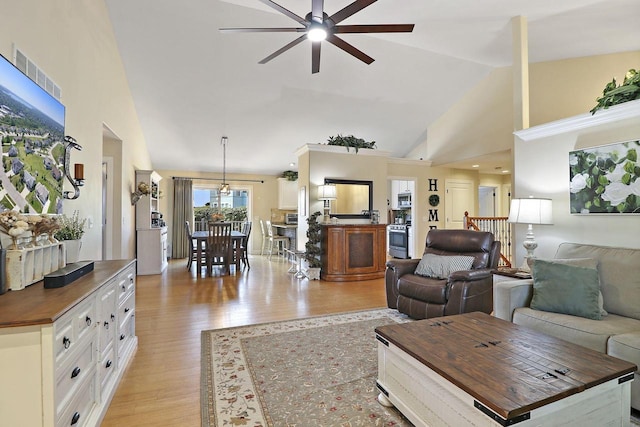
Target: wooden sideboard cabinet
[
  {"x": 63, "y": 351},
  {"x": 353, "y": 252}
]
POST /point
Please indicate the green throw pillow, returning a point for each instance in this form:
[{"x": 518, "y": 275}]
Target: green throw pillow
[
  {"x": 441, "y": 266},
  {"x": 580, "y": 262},
  {"x": 567, "y": 289}
]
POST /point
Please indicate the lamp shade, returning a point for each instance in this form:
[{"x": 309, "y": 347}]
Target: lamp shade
[
  {"x": 326, "y": 192},
  {"x": 530, "y": 211}
]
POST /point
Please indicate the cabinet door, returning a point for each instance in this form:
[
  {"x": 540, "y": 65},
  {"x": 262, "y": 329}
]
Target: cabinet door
[{"x": 287, "y": 194}]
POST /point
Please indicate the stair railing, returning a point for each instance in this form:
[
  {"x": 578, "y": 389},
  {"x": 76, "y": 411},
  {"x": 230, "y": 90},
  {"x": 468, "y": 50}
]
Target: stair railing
[{"x": 501, "y": 230}]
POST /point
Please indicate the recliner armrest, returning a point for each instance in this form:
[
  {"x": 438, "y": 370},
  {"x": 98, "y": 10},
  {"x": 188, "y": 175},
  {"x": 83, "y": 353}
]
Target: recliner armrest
[
  {"x": 395, "y": 269},
  {"x": 470, "y": 275},
  {"x": 509, "y": 295}
]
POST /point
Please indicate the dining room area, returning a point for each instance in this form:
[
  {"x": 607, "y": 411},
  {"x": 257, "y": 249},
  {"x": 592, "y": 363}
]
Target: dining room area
[{"x": 217, "y": 247}]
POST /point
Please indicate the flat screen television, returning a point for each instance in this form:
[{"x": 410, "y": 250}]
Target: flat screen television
[{"x": 32, "y": 137}]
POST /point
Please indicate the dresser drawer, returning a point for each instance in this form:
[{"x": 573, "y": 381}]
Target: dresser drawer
[
  {"x": 70, "y": 330},
  {"x": 126, "y": 284},
  {"x": 64, "y": 340},
  {"x": 72, "y": 374},
  {"x": 126, "y": 333},
  {"x": 85, "y": 320},
  {"x": 107, "y": 367},
  {"x": 78, "y": 412}
]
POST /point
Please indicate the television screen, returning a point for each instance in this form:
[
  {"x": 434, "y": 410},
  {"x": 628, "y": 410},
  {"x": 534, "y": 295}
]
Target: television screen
[{"x": 32, "y": 135}]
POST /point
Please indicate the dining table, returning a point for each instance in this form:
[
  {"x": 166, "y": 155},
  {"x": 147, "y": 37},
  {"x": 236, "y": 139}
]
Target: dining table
[{"x": 201, "y": 240}]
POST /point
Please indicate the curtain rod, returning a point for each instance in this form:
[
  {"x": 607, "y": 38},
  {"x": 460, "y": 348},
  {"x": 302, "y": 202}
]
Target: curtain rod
[{"x": 219, "y": 179}]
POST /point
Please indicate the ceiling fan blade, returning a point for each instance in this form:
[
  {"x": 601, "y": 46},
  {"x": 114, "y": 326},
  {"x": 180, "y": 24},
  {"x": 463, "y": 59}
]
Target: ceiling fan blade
[
  {"x": 350, "y": 49},
  {"x": 349, "y": 10},
  {"x": 317, "y": 11},
  {"x": 263, "y": 30},
  {"x": 284, "y": 49},
  {"x": 284, "y": 11},
  {"x": 375, "y": 28},
  {"x": 315, "y": 57}
]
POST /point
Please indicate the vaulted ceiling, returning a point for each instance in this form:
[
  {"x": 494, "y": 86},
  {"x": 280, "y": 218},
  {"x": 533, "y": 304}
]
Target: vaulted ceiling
[{"x": 192, "y": 84}]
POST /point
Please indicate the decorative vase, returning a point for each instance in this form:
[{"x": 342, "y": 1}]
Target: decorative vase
[{"x": 72, "y": 250}]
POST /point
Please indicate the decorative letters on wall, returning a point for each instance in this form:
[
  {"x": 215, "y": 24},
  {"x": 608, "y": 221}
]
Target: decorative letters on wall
[{"x": 434, "y": 201}]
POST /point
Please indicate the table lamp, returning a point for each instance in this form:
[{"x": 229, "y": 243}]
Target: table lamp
[
  {"x": 327, "y": 193},
  {"x": 530, "y": 211}
]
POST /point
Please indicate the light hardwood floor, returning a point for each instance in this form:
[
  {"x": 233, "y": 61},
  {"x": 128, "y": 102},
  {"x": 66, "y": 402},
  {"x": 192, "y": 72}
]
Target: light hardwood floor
[{"x": 162, "y": 385}]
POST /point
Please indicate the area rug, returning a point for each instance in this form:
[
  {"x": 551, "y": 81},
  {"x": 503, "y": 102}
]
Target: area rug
[{"x": 319, "y": 371}]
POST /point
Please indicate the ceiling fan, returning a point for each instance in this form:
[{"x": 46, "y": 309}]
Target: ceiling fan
[{"x": 318, "y": 26}]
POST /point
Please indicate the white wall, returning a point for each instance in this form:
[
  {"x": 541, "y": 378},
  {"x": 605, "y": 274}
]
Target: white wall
[
  {"x": 542, "y": 170},
  {"x": 73, "y": 43}
]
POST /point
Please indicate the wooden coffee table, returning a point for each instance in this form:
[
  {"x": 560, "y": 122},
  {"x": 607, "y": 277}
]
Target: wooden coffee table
[{"x": 475, "y": 369}]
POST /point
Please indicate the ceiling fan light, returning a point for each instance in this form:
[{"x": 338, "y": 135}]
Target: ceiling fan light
[
  {"x": 317, "y": 34},
  {"x": 224, "y": 189}
]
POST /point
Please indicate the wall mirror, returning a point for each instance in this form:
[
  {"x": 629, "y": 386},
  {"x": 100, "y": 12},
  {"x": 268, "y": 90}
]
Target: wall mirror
[{"x": 354, "y": 198}]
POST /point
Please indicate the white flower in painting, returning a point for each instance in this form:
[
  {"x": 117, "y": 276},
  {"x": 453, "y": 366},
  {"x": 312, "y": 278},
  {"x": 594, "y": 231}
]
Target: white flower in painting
[
  {"x": 573, "y": 159},
  {"x": 616, "y": 193},
  {"x": 616, "y": 175},
  {"x": 585, "y": 211},
  {"x": 635, "y": 187},
  {"x": 578, "y": 182}
]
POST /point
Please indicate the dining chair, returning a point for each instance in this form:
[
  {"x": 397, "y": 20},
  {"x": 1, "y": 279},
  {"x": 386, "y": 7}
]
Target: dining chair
[
  {"x": 265, "y": 237},
  {"x": 193, "y": 246},
  {"x": 243, "y": 250},
  {"x": 281, "y": 242},
  {"x": 219, "y": 249}
]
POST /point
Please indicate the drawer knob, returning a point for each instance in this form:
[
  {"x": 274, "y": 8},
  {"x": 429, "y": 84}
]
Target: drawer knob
[
  {"x": 75, "y": 372},
  {"x": 126, "y": 310},
  {"x": 75, "y": 418},
  {"x": 66, "y": 342},
  {"x": 122, "y": 336},
  {"x": 124, "y": 288},
  {"x": 113, "y": 317},
  {"x": 108, "y": 364},
  {"x": 88, "y": 320},
  {"x": 106, "y": 325}
]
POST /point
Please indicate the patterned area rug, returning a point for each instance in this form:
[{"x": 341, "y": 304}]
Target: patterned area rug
[{"x": 296, "y": 373}]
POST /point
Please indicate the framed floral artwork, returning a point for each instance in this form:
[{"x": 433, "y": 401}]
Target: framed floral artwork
[{"x": 605, "y": 179}]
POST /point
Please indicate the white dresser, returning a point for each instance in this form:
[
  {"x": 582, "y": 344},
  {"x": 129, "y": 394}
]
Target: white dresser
[{"x": 63, "y": 351}]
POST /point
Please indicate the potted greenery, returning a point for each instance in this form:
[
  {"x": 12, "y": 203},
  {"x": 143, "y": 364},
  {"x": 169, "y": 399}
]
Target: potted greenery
[
  {"x": 312, "y": 247},
  {"x": 350, "y": 141},
  {"x": 613, "y": 94},
  {"x": 290, "y": 175},
  {"x": 70, "y": 234}
]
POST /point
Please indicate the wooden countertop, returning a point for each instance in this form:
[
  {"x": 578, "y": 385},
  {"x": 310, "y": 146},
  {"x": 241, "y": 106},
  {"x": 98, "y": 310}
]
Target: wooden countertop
[{"x": 36, "y": 305}]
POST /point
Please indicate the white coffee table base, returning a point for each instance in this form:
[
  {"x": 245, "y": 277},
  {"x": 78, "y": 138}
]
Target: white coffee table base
[{"x": 429, "y": 400}]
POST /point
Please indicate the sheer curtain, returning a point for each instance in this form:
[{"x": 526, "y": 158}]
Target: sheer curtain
[{"x": 182, "y": 211}]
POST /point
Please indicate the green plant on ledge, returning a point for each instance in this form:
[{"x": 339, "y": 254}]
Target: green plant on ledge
[
  {"x": 290, "y": 175},
  {"x": 629, "y": 90},
  {"x": 351, "y": 141},
  {"x": 312, "y": 247}
]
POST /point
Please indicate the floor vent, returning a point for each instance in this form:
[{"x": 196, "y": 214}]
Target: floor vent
[{"x": 27, "y": 66}]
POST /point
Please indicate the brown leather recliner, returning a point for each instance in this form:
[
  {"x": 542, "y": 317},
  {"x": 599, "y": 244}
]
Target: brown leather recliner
[{"x": 465, "y": 291}]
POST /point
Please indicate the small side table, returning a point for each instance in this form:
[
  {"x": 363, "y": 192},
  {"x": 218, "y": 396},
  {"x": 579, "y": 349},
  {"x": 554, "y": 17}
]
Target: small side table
[{"x": 504, "y": 274}]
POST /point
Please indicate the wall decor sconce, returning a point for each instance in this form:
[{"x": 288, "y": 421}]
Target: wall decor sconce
[
  {"x": 143, "y": 189},
  {"x": 78, "y": 170},
  {"x": 327, "y": 193}
]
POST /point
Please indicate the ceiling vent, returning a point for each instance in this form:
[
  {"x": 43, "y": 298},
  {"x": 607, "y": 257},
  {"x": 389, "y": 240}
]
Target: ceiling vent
[{"x": 27, "y": 66}]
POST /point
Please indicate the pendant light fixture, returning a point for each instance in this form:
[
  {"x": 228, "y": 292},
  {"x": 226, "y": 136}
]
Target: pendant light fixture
[{"x": 224, "y": 187}]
